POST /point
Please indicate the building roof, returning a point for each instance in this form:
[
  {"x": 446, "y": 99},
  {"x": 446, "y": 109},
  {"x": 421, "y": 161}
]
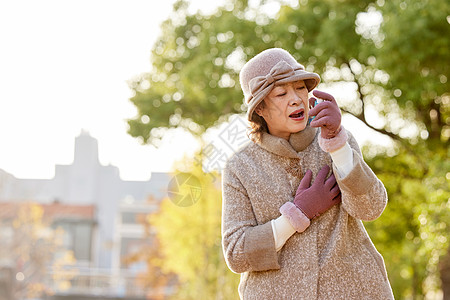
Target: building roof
[{"x": 51, "y": 211}]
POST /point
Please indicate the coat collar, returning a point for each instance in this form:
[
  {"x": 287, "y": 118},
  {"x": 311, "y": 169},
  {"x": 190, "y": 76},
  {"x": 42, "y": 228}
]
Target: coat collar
[{"x": 297, "y": 142}]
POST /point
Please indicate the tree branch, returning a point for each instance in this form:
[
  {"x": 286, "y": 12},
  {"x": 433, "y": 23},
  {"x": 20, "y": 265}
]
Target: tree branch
[
  {"x": 382, "y": 131},
  {"x": 362, "y": 118},
  {"x": 362, "y": 115}
]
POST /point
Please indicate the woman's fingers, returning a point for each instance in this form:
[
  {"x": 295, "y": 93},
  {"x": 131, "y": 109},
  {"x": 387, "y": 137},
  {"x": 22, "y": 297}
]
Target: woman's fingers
[
  {"x": 320, "y": 122},
  {"x": 312, "y": 100},
  {"x": 322, "y": 174},
  {"x": 305, "y": 182},
  {"x": 323, "y": 95},
  {"x": 330, "y": 182},
  {"x": 319, "y": 107}
]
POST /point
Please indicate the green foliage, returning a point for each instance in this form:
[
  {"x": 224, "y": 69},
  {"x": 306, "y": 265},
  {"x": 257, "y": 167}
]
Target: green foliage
[
  {"x": 414, "y": 52},
  {"x": 190, "y": 240},
  {"x": 192, "y": 78},
  {"x": 413, "y": 232},
  {"x": 197, "y": 59},
  {"x": 391, "y": 56}
]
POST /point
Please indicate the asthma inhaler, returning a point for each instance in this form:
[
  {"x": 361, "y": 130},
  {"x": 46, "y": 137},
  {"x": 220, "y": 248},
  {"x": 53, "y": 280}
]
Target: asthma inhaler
[{"x": 315, "y": 103}]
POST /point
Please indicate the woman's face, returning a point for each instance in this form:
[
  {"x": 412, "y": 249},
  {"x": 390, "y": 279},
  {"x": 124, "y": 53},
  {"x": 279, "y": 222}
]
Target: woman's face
[{"x": 285, "y": 109}]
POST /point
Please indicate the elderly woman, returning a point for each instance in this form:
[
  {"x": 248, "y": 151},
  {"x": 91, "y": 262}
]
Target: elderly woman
[{"x": 290, "y": 238}]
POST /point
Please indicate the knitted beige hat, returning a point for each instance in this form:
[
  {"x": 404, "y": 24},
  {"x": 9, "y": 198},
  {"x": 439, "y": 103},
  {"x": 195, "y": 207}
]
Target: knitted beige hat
[{"x": 276, "y": 65}]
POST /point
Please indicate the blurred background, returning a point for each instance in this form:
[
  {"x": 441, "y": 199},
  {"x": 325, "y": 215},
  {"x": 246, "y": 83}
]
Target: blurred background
[{"x": 117, "y": 117}]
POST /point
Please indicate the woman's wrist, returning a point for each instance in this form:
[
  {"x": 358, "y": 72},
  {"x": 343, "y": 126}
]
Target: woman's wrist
[
  {"x": 335, "y": 143},
  {"x": 343, "y": 160},
  {"x": 282, "y": 231},
  {"x": 296, "y": 217}
]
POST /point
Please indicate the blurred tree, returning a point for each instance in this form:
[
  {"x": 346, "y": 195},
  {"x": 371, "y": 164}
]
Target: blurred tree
[
  {"x": 410, "y": 47},
  {"x": 413, "y": 49},
  {"x": 389, "y": 58},
  {"x": 412, "y": 234},
  {"x": 30, "y": 247},
  {"x": 190, "y": 239},
  {"x": 153, "y": 280}
]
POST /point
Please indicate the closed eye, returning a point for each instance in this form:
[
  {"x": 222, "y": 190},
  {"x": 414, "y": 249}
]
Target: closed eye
[{"x": 300, "y": 87}]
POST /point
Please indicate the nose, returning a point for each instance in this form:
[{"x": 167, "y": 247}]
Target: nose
[{"x": 295, "y": 99}]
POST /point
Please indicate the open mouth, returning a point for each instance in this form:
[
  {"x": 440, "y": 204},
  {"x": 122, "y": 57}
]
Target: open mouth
[{"x": 297, "y": 115}]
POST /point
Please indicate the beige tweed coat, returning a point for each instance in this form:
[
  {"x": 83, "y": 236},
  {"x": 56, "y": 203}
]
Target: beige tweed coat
[{"x": 333, "y": 258}]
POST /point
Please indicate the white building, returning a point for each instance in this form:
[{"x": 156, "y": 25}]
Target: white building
[{"x": 88, "y": 183}]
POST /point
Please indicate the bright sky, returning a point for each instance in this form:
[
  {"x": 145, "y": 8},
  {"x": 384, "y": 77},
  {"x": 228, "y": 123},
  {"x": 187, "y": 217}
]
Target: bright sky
[{"x": 64, "y": 67}]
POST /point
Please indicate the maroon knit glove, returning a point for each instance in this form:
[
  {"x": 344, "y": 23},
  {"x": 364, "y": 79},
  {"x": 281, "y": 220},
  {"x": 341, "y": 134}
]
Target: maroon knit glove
[
  {"x": 327, "y": 115},
  {"x": 316, "y": 199}
]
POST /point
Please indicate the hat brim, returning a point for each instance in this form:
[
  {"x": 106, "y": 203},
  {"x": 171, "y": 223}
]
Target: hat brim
[{"x": 311, "y": 81}]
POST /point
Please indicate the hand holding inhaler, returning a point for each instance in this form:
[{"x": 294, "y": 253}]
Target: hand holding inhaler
[{"x": 326, "y": 114}]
